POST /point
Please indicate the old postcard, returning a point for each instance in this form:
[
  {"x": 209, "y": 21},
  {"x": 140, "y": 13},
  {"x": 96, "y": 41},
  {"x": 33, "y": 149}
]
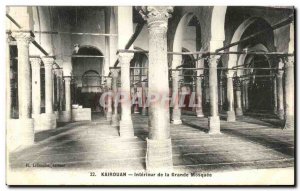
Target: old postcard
[{"x": 150, "y": 95}]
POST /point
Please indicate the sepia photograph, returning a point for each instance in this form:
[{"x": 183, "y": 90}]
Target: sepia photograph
[{"x": 150, "y": 95}]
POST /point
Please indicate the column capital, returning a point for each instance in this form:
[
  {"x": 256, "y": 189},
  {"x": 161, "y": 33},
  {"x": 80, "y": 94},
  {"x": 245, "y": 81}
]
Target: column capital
[
  {"x": 114, "y": 72},
  {"x": 213, "y": 60},
  {"x": 23, "y": 37},
  {"x": 48, "y": 62},
  {"x": 125, "y": 58},
  {"x": 289, "y": 62},
  {"x": 35, "y": 62},
  {"x": 280, "y": 73},
  {"x": 58, "y": 72},
  {"x": 156, "y": 16},
  {"x": 67, "y": 79}
]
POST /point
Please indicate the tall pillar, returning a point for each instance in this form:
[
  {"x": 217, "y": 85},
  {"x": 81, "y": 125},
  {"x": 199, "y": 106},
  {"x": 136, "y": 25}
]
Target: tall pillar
[
  {"x": 246, "y": 95},
  {"x": 126, "y": 127},
  {"x": 213, "y": 119},
  {"x": 289, "y": 83},
  {"x": 176, "y": 114},
  {"x": 49, "y": 118},
  {"x": 67, "y": 114},
  {"x": 144, "y": 97},
  {"x": 8, "y": 81},
  {"x": 26, "y": 131},
  {"x": 275, "y": 95},
  {"x": 115, "y": 116},
  {"x": 230, "y": 98},
  {"x": 159, "y": 147},
  {"x": 280, "y": 105},
  {"x": 36, "y": 90},
  {"x": 289, "y": 94},
  {"x": 199, "y": 110},
  {"x": 136, "y": 105},
  {"x": 238, "y": 92},
  {"x": 109, "y": 100},
  {"x": 221, "y": 94}
]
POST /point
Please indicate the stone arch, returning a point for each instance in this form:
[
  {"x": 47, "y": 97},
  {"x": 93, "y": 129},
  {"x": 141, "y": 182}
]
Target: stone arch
[
  {"x": 242, "y": 58},
  {"x": 178, "y": 38},
  {"x": 97, "y": 50},
  {"x": 233, "y": 58}
]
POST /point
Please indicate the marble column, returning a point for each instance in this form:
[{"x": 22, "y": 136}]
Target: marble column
[
  {"x": 36, "y": 90},
  {"x": 238, "y": 93},
  {"x": 144, "y": 98},
  {"x": 280, "y": 109},
  {"x": 159, "y": 147},
  {"x": 49, "y": 118},
  {"x": 136, "y": 105},
  {"x": 213, "y": 119},
  {"x": 220, "y": 94},
  {"x": 246, "y": 95},
  {"x": 8, "y": 81},
  {"x": 109, "y": 99},
  {"x": 25, "y": 132},
  {"x": 230, "y": 99},
  {"x": 199, "y": 110},
  {"x": 176, "y": 114},
  {"x": 275, "y": 95},
  {"x": 115, "y": 116},
  {"x": 67, "y": 114},
  {"x": 126, "y": 127},
  {"x": 289, "y": 94}
]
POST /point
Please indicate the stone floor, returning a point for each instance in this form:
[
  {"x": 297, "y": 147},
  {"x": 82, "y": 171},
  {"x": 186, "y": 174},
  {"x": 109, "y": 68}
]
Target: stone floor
[{"x": 254, "y": 141}]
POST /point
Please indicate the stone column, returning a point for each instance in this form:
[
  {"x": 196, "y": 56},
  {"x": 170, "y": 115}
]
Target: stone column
[
  {"x": 230, "y": 98},
  {"x": 144, "y": 97},
  {"x": 109, "y": 100},
  {"x": 8, "y": 81},
  {"x": 136, "y": 105},
  {"x": 176, "y": 114},
  {"x": 238, "y": 109},
  {"x": 49, "y": 118},
  {"x": 36, "y": 90},
  {"x": 221, "y": 95},
  {"x": 199, "y": 110},
  {"x": 275, "y": 95},
  {"x": 25, "y": 132},
  {"x": 213, "y": 119},
  {"x": 159, "y": 147},
  {"x": 246, "y": 95},
  {"x": 289, "y": 93},
  {"x": 206, "y": 89},
  {"x": 280, "y": 108},
  {"x": 115, "y": 116},
  {"x": 68, "y": 106},
  {"x": 126, "y": 127}
]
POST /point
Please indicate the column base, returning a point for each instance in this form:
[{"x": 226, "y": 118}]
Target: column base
[
  {"x": 214, "y": 125},
  {"x": 20, "y": 133},
  {"x": 199, "y": 112},
  {"x": 239, "y": 111},
  {"x": 108, "y": 116},
  {"x": 176, "y": 122},
  {"x": 289, "y": 122},
  {"x": 126, "y": 128},
  {"x": 47, "y": 122},
  {"x": 230, "y": 116},
  {"x": 280, "y": 114},
  {"x": 159, "y": 155},
  {"x": 65, "y": 116},
  {"x": 144, "y": 111},
  {"x": 115, "y": 120}
]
